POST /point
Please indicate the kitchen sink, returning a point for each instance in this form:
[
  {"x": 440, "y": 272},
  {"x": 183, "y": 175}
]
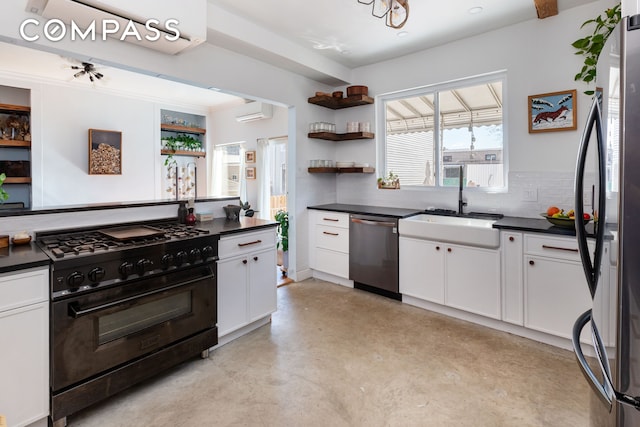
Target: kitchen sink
[{"x": 454, "y": 229}]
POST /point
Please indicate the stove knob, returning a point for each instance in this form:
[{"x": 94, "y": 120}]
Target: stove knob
[
  {"x": 144, "y": 265},
  {"x": 194, "y": 255},
  {"x": 181, "y": 258},
  {"x": 96, "y": 274},
  {"x": 166, "y": 261},
  {"x": 207, "y": 252},
  {"x": 75, "y": 279},
  {"x": 126, "y": 268}
]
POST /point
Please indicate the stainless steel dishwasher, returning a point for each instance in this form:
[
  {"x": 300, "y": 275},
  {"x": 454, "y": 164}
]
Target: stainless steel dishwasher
[{"x": 373, "y": 254}]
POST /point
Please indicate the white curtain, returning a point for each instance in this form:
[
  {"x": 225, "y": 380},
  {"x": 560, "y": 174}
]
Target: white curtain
[
  {"x": 266, "y": 152},
  {"x": 218, "y": 175}
]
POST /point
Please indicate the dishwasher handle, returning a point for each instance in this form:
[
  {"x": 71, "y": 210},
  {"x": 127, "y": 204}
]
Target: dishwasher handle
[{"x": 369, "y": 222}]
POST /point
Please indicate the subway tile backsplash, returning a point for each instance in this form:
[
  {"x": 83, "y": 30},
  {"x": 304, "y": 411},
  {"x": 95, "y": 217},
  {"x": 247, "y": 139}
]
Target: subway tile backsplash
[{"x": 551, "y": 188}]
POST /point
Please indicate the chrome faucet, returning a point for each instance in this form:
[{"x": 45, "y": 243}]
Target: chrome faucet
[{"x": 461, "y": 203}]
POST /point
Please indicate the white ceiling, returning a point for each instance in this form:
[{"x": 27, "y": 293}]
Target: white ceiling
[
  {"x": 285, "y": 33},
  {"x": 347, "y": 33}
]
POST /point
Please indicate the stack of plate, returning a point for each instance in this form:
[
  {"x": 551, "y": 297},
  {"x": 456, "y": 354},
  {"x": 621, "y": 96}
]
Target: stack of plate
[
  {"x": 361, "y": 165},
  {"x": 344, "y": 164}
]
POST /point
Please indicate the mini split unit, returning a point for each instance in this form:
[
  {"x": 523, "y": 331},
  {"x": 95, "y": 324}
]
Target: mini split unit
[{"x": 254, "y": 111}]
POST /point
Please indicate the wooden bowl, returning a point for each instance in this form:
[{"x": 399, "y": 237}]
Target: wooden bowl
[
  {"x": 337, "y": 94},
  {"x": 21, "y": 241},
  {"x": 357, "y": 90}
]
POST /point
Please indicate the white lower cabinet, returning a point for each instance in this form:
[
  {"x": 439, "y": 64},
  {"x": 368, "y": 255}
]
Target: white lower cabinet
[
  {"x": 247, "y": 281},
  {"x": 556, "y": 292},
  {"x": 462, "y": 277},
  {"x": 24, "y": 334},
  {"x": 512, "y": 279},
  {"x": 329, "y": 242},
  {"x": 421, "y": 269},
  {"x": 473, "y": 280}
]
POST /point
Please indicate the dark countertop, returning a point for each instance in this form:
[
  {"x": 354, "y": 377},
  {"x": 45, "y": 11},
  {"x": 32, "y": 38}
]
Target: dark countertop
[
  {"x": 368, "y": 210},
  {"x": 20, "y": 257},
  {"x": 535, "y": 225},
  {"x": 224, "y": 227}
]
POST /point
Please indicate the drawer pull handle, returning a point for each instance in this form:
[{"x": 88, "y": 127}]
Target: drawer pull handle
[
  {"x": 244, "y": 261},
  {"x": 255, "y": 258},
  {"x": 559, "y": 248},
  {"x": 330, "y": 234},
  {"x": 330, "y": 219},
  {"x": 511, "y": 239},
  {"x": 448, "y": 249},
  {"x": 437, "y": 248},
  {"x": 531, "y": 262},
  {"x": 250, "y": 243}
]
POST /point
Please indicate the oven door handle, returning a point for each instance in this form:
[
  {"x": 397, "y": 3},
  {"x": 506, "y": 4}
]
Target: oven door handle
[{"x": 76, "y": 311}]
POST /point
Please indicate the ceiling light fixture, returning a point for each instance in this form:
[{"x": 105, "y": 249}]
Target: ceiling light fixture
[
  {"x": 475, "y": 10},
  {"x": 88, "y": 69},
  {"x": 394, "y": 12}
]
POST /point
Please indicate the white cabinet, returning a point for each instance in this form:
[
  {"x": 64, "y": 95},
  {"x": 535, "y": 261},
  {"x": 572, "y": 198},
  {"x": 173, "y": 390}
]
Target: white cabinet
[
  {"x": 473, "y": 280},
  {"x": 512, "y": 279},
  {"x": 329, "y": 242},
  {"x": 422, "y": 269},
  {"x": 556, "y": 292},
  {"x": 247, "y": 279},
  {"x": 24, "y": 334},
  {"x": 462, "y": 277}
]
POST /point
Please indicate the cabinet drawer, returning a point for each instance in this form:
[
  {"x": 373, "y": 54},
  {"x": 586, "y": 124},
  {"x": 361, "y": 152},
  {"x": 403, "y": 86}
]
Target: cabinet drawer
[
  {"x": 242, "y": 243},
  {"x": 332, "y": 262},
  {"x": 24, "y": 288},
  {"x": 333, "y": 238},
  {"x": 332, "y": 219},
  {"x": 554, "y": 247}
]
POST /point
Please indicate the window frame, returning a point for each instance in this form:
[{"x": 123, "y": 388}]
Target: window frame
[{"x": 381, "y": 128}]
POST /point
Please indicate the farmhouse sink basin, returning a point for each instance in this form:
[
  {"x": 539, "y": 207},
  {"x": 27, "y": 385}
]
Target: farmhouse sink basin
[{"x": 453, "y": 229}]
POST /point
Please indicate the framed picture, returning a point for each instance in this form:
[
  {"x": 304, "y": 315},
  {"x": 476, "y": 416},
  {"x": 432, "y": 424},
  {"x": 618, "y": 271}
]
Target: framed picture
[
  {"x": 250, "y": 173},
  {"x": 105, "y": 152},
  {"x": 550, "y": 112},
  {"x": 250, "y": 157}
]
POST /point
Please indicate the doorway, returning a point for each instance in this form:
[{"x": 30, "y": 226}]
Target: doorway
[{"x": 272, "y": 194}]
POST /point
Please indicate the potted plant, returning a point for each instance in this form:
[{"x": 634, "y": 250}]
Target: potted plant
[
  {"x": 282, "y": 218},
  {"x": 391, "y": 181},
  {"x": 3, "y": 194},
  {"x": 591, "y": 46}
]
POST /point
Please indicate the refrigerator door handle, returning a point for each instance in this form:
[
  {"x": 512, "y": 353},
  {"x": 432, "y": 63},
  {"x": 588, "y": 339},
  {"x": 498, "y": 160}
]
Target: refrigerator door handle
[
  {"x": 604, "y": 391},
  {"x": 591, "y": 268}
]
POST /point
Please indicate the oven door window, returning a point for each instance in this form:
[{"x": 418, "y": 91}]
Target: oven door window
[{"x": 129, "y": 321}]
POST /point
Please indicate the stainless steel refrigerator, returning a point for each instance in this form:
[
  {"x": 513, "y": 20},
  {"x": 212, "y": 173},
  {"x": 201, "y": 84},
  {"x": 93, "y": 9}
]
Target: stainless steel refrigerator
[{"x": 614, "y": 375}]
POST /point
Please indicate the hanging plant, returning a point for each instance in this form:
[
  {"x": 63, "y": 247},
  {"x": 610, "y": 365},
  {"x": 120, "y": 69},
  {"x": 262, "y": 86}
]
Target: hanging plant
[{"x": 591, "y": 46}]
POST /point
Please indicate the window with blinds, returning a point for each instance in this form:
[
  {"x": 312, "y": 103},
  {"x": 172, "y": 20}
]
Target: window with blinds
[{"x": 430, "y": 132}]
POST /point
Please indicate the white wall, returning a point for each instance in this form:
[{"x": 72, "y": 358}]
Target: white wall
[
  {"x": 224, "y": 129},
  {"x": 538, "y": 58}
]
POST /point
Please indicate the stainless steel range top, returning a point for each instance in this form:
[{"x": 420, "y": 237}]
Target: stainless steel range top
[{"x": 91, "y": 258}]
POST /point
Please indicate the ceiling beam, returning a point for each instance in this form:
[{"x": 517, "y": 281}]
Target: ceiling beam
[{"x": 546, "y": 8}]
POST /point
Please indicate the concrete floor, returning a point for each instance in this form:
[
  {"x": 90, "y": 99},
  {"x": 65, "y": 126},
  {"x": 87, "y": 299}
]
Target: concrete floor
[{"x": 335, "y": 356}]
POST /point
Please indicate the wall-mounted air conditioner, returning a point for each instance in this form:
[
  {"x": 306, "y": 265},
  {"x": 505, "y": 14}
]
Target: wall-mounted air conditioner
[
  {"x": 157, "y": 25},
  {"x": 253, "y": 111}
]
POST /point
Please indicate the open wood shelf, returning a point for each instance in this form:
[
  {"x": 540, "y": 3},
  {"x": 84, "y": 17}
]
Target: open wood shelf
[
  {"x": 330, "y": 136},
  {"x": 14, "y": 143},
  {"x": 17, "y": 180},
  {"x": 4, "y": 108},
  {"x": 185, "y": 129},
  {"x": 342, "y": 170},
  {"x": 184, "y": 153},
  {"x": 338, "y": 103}
]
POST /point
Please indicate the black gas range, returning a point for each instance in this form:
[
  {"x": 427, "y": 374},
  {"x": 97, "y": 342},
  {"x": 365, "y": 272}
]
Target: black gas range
[
  {"x": 127, "y": 302},
  {"x": 90, "y": 258}
]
